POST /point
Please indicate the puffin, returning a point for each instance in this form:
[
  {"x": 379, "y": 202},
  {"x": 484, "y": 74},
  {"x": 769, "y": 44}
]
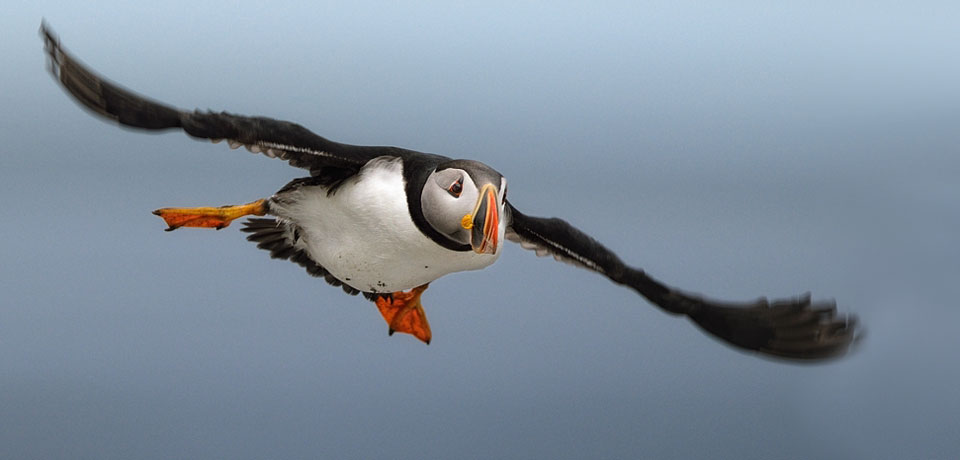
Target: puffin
[{"x": 386, "y": 222}]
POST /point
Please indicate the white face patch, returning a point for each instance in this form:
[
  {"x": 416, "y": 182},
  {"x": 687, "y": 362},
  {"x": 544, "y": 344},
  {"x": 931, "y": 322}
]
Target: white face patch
[{"x": 444, "y": 210}]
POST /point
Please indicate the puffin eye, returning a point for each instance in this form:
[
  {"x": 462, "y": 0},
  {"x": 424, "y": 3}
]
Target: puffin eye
[{"x": 456, "y": 188}]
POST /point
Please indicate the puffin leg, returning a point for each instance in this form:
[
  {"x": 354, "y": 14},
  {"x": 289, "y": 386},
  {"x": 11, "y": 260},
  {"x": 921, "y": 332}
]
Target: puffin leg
[
  {"x": 209, "y": 217},
  {"x": 403, "y": 313}
]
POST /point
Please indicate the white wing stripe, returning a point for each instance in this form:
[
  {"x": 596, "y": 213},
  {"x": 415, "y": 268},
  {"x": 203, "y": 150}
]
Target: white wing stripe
[
  {"x": 567, "y": 256},
  {"x": 274, "y": 149}
]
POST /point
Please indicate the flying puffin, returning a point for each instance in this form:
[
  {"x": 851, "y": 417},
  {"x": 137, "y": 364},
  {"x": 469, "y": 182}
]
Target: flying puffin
[{"x": 387, "y": 221}]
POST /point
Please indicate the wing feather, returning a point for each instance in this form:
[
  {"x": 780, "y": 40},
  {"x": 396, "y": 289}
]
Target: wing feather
[
  {"x": 793, "y": 328},
  {"x": 273, "y": 138}
]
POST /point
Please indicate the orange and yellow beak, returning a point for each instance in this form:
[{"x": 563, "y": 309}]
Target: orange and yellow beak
[{"x": 484, "y": 222}]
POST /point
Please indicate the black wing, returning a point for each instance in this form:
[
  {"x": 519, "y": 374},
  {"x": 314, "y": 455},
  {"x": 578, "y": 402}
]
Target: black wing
[
  {"x": 274, "y": 138},
  {"x": 793, "y": 328}
]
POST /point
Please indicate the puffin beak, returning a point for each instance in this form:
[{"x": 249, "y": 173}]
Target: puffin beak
[{"x": 484, "y": 224}]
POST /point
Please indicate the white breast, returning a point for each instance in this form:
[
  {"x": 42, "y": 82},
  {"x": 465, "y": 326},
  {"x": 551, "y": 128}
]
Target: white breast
[{"x": 364, "y": 236}]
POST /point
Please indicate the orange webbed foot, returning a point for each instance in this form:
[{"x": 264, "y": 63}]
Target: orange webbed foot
[
  {"x": 403, "y": 313},
  {"x": 209, "y": 217}
]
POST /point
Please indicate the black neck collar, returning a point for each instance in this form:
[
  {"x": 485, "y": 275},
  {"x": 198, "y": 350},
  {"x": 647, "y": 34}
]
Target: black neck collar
[{"x": 416, "y": 169}]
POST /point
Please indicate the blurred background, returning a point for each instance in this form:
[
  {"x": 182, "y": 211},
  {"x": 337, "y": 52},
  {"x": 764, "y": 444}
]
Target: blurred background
[{"x": 734, "y": 150}]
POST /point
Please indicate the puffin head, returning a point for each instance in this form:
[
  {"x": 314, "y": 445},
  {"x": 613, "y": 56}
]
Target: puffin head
[{"x": 464, "y": 201}]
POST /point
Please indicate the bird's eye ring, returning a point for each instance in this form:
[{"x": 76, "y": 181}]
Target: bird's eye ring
[{"x": 456, "y": 188}]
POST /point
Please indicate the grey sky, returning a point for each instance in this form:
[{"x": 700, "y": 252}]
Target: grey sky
[{"x": 732, "y": 150}]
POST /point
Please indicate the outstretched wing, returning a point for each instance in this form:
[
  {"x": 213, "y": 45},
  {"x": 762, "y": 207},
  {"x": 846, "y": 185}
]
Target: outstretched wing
[
  {"x": 274, "y": 138},
  {"x": 794, "y": 328}
]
